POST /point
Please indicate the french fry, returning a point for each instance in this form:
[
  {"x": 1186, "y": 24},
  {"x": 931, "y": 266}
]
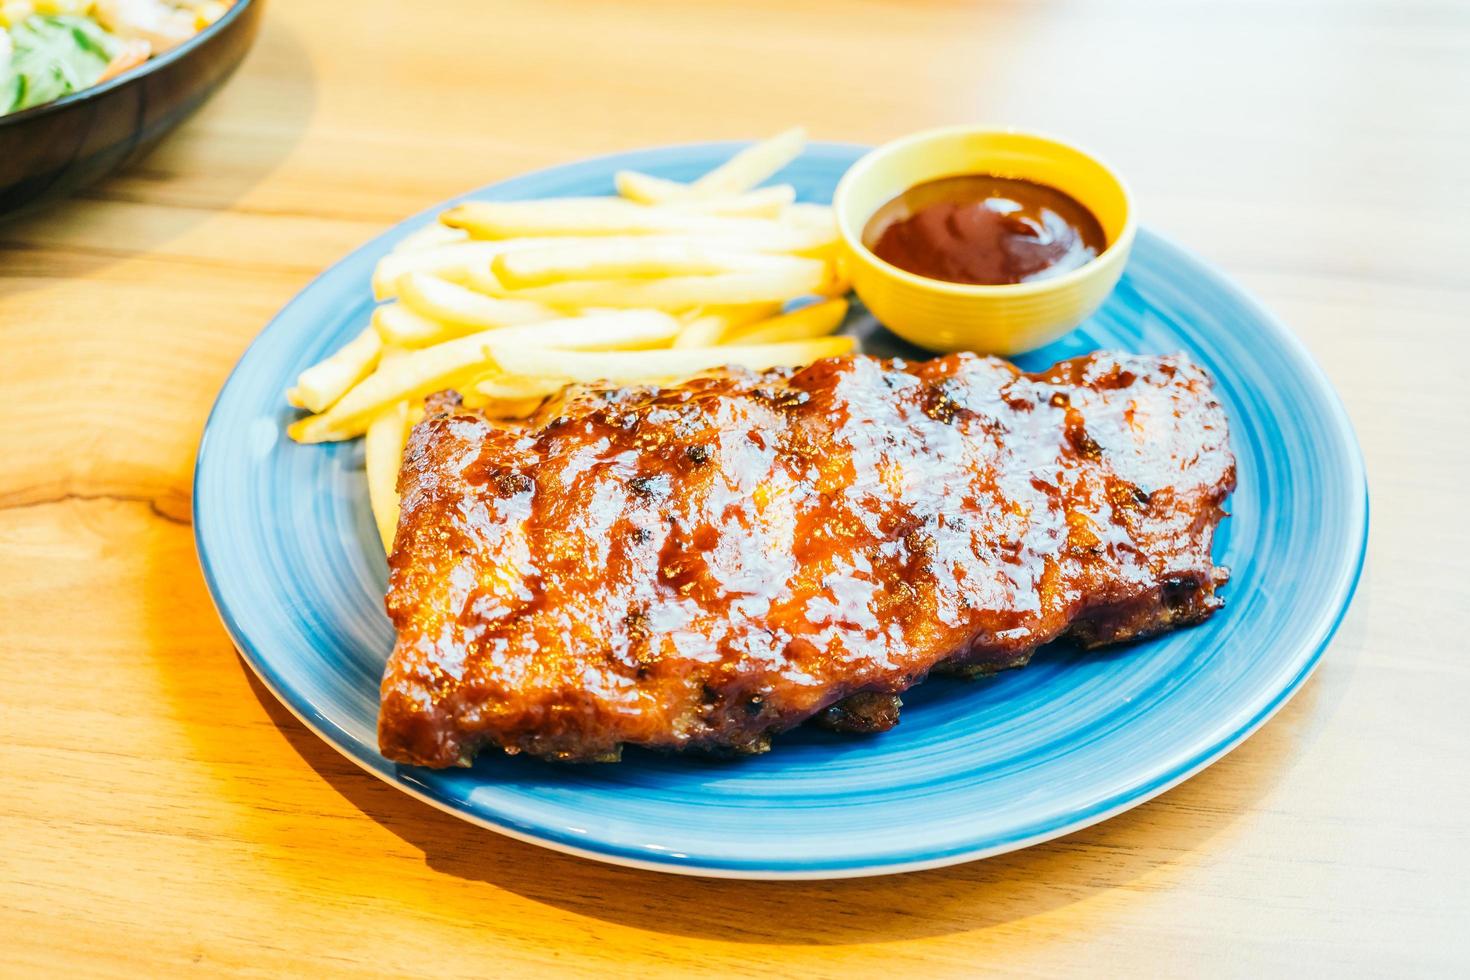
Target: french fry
[
  {"x": 589, "y": 257},
  {"x": 737, "y": 175},
  {"x": 591, "y": 216},
  {"x": 429, "y": 369},
  {"x": 752, "y": 165},
  {"x": 429, "y": 236},
  {"x": 839, "y": 280},
  {"x": 452, "y": 261},
  {"x": 628, "y": 367},
  {"x": 810, "y": 216},
  {"x": 793, "y": 238},
  {"x": 702, "y": 331},
  {"x": 606, "y": 330},
  {"x": 710, "y": 324},
  {"x": 516, "y": 408},
  {"x": 400, "y": 326},
  {"x": 464, "y": 310},
  {"x": 648, "y": 189},
  {"x": 795, "y": 277},
  {"x": 763, "y": 202},
  {"x": 503, "y": 387},
  {"x": 619, "y": 258},
  {"x": 386, "y": 436},
  {"x": 503, "y": 397},
  {"x": 813, "y": 320},
  {"x": 322, "y": 384}
]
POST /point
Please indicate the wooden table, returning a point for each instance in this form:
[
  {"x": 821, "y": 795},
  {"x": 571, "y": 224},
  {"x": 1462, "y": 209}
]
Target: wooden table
[{"x": 162, "y": 812}]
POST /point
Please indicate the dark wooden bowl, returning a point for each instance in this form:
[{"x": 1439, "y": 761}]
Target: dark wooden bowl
[{"x": 48, "y": 151}]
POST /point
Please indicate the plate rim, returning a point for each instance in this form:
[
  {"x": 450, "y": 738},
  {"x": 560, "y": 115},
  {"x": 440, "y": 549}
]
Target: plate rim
[{"x": 831, "y": 868}]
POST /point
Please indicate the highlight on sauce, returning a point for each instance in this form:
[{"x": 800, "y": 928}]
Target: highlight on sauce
[{"x": 984, "y": 230}]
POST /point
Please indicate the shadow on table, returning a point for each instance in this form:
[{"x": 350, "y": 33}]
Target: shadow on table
[
  {"x": 194, "y": 172},
  {"x": 1147, "y": 847}
]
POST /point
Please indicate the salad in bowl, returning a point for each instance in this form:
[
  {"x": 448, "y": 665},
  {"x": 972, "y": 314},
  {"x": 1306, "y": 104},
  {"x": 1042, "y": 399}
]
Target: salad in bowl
[{"x": 52, "y": 48}]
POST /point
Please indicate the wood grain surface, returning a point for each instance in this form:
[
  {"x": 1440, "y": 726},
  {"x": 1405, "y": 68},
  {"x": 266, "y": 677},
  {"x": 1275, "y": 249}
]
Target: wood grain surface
[{"x": 161, "y": 814}]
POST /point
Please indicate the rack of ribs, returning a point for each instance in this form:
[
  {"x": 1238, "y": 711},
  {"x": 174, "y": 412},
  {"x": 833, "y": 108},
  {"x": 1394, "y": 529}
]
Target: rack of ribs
[{"x": 705, "y": 565}]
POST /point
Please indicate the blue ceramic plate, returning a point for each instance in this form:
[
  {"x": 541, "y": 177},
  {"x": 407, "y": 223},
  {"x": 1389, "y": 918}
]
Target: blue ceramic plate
[{"x": 976, "y": 768}]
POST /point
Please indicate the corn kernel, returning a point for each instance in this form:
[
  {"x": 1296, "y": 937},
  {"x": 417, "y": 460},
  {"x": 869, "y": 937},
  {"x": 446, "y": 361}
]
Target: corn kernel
[
  {"x": 14, "y": 11},
  {"x": 209, "y": 12},
  {"x": 73, "y": 7}
]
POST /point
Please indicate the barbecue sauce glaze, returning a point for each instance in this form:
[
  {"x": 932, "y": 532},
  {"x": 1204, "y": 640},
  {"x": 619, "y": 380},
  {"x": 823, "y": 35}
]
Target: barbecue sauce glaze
[
  {"x": 980, "y": 229},
  {"x": 701, "y": 565}
]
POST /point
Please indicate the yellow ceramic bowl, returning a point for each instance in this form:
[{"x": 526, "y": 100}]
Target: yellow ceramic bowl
[{"x": 1007, "y": 319}]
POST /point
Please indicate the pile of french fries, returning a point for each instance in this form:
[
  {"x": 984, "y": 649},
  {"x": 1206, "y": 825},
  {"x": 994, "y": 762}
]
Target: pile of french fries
[{"x": 508, "y": 302}]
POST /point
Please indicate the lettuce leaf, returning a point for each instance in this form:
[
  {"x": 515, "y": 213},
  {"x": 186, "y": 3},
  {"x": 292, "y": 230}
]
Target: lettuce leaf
[{"x": 52, "y": 57}]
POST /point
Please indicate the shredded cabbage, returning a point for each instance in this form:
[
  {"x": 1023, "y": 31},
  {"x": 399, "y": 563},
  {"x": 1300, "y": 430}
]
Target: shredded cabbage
[{"x": 52, "y": 57}]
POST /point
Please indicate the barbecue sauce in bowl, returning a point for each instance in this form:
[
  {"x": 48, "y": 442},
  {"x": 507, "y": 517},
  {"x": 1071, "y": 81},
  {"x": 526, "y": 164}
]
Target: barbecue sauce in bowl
[{"x": 984, "y": 230}]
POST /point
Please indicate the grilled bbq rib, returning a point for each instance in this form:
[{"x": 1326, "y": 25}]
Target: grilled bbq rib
[{"x": 705, "y": 565}]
